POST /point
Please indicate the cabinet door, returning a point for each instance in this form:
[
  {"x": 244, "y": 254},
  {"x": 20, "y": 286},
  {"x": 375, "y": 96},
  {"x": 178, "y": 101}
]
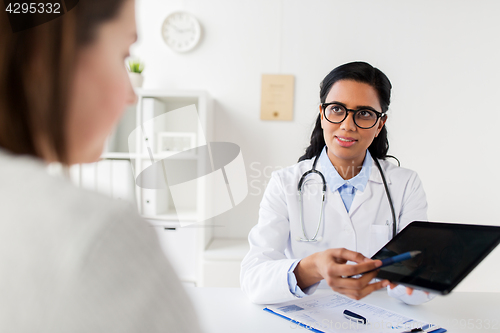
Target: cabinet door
[{"x": 179, "y": 244}]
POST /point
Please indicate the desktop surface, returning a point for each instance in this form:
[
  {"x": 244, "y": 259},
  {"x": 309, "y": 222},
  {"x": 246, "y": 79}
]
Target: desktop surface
[{"x": 228, "y": 310}]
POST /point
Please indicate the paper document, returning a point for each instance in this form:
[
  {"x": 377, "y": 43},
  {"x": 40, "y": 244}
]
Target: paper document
[{"x": 324, "y": 313}]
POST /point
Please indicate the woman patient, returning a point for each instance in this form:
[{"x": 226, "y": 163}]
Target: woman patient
[{"x": 72, "y": 260}]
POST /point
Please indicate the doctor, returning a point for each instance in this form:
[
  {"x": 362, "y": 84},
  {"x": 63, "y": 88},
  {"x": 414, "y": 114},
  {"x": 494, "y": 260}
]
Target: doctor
[{"x": 302, "y": 241}]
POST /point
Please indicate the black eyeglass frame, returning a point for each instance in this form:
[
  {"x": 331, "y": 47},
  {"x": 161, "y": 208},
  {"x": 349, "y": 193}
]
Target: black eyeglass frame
[{"x": 379, "y": 114}]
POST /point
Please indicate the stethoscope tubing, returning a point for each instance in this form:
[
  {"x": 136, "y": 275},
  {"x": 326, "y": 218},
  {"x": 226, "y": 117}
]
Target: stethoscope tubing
[
  {"x": 301, "y": 180},
  {"x": 313, "y": 170},
  {"x": 394, "y": 227}
]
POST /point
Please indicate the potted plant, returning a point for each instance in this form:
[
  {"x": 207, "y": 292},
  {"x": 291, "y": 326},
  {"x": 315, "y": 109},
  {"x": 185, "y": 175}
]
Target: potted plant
[{"x": 135, "y": 68}]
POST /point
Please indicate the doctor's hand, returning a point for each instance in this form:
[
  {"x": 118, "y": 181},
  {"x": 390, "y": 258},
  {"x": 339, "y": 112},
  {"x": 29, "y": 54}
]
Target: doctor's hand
[
  {"x": 331, "y": 266},
  {"x": 409, "y": 290}
]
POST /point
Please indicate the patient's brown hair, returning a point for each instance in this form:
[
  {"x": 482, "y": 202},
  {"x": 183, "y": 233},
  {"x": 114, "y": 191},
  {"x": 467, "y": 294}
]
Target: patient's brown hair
[{"x": 36, "y": 71}]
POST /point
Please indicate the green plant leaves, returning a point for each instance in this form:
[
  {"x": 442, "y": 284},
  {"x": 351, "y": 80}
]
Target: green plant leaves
[{"x": 135, "y": 66}]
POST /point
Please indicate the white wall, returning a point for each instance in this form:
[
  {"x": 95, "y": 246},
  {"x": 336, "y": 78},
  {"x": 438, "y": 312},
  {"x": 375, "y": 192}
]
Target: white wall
[{"x": 442, "y": 59}]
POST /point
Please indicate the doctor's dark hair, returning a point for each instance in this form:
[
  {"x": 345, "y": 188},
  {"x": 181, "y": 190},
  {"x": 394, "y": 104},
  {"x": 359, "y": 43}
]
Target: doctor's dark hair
[
  {"x": 359, "y": 72},
  {"x": 36, "y": 72}
]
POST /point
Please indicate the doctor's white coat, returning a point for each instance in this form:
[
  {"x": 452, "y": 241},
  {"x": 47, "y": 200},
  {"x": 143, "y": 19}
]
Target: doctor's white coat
[{"x": 365, "y": 228}]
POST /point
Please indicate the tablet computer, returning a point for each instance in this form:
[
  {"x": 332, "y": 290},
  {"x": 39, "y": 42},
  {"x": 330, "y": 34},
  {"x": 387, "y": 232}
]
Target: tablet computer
[{"x": 450, "y": 251}]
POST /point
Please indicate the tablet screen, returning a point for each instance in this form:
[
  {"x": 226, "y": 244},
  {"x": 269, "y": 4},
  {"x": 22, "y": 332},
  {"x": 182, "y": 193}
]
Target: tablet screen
[{"x": 449, "y": 252}]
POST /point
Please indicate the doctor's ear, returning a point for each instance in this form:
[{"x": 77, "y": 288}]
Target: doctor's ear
[
  {"x": 321, "y": 115},
  {"x": 381, "y": 124}
]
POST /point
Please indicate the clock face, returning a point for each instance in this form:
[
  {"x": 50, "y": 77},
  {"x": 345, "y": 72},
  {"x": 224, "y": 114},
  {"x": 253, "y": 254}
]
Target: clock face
[{"x": 181, "y": 31}]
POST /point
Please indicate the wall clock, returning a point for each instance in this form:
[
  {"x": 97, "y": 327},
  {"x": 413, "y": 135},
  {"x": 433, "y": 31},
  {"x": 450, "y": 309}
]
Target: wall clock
[{"x": 181, "y": 31}]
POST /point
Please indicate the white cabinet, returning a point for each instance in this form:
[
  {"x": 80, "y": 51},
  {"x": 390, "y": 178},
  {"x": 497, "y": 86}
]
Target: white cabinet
[
  {"x": 154, "y": 136},
  {"x": 179, "y": 245},
  {"x": 221, "y": 262}
]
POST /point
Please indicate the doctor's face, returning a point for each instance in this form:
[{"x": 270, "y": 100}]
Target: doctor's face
[{"x": 346, "y": 142}]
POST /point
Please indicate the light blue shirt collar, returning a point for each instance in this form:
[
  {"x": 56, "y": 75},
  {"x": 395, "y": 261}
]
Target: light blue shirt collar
[{"x": 333, "y": 178}]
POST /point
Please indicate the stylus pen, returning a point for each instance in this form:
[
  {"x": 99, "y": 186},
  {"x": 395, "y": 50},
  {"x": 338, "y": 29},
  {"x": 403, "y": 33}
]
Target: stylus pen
[{"x": 393, "y": 260}]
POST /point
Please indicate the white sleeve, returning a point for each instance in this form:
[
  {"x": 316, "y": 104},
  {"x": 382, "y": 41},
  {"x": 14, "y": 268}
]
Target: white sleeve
[
  {"x": 414, "y": 203},
  {"x": 264, "y": 270},
  {"x": 122, "y": 282},
  {"x": 414, "y": 208}
]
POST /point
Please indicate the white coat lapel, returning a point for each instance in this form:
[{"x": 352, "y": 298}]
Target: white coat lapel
[
  {"x": 367, "y": 194},
  {"x": 334, "y": 207},
  {"x": 334, "y": 201},
  {"x": 360, "y": 198},
  {"x": 338, "y": 205}
]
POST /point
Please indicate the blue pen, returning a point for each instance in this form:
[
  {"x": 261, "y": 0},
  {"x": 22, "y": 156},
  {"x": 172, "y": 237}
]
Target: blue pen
[
  {"x": 393, "y": 260},
  {"x": 399, "y": 258},
  {"x": 354, "y": 317}
]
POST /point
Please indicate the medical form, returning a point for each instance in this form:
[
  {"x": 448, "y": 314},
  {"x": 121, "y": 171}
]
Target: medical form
[{"x": 324, "y": 313}]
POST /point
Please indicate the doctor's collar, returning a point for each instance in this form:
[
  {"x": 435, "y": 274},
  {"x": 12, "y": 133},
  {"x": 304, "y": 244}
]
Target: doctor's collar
[{"x": 333, "y": 178}]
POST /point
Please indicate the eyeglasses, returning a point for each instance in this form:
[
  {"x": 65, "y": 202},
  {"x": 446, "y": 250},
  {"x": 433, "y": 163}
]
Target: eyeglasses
[{"x": 363, "y": 118}]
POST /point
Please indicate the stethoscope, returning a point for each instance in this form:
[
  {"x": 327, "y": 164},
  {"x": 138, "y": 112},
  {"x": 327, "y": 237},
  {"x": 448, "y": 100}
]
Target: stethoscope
[{"x": 313, "y": 170}]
